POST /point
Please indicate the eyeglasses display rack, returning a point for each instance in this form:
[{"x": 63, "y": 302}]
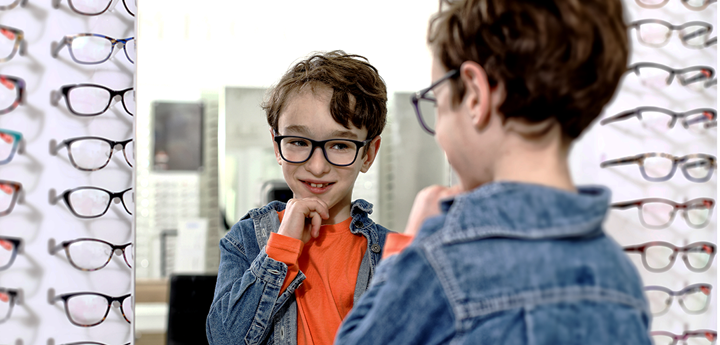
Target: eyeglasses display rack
[
  {"x": 67, "y": 158},
  {"x": 655, "y": 147}
]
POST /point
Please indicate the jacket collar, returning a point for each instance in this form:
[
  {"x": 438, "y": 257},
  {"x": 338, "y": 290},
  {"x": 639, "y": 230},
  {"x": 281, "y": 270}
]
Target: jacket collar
[
  {"x": 360, "y": 211},
  {"x": 518, "y": 210}
]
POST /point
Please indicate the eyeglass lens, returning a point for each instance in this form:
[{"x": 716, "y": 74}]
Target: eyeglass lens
[
  {"x": 7, "y": 253},
  {"x": 338, "y": 152},
  {"x": 93, "y": 202},
  {"x": 93, "y": 255},
  {"x": 94, "y": 100},
  {"x": 657, "y": 34},
  {"x": 8, "y": 145},
  {"x": 656, "y": 214},
  {"x": 94, "y": 154},
  {"x": 7, "y": 197},
  {"x": 91, "y": 309},
  {"x": 661, "y": 257},
  {"x": 659, "y": 167},
  {"x": 9, "y": 44},
  {"x": 658, "y": 78},
  {"x": 693, "y": 301},
  {"x": 9, "y": 95}
]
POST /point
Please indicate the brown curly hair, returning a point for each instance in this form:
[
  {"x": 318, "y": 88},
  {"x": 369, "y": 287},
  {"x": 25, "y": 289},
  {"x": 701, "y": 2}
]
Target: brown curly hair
[
  {"x": 359, "y": 93},
  {"x": 559, "y": 59}
]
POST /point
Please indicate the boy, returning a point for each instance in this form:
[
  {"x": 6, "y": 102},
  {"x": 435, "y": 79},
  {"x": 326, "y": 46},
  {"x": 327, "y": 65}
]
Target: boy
[
  {"x": 517, "y": 255},
  {"x": 290, "y": 273}
]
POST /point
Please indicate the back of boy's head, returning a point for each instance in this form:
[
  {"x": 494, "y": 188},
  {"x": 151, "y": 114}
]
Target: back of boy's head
[
  {"x": 359, "y": 95},
  {"x": 560, "y": 59}
]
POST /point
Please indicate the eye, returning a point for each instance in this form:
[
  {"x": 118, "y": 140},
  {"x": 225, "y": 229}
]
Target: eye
[
  {"x": 339, "y": 146},
  {"x": 297, "y": 142}
]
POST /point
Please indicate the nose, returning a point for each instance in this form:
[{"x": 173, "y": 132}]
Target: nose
[{"x": 317, "y": 164}]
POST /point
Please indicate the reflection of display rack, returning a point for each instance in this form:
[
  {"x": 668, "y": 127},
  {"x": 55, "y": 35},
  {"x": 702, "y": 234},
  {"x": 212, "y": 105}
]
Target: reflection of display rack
[{"x": 167, "y": 251}]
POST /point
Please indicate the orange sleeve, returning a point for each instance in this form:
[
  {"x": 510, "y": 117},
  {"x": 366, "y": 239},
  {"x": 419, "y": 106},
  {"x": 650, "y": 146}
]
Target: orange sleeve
[
  {"x": 286, "y": 250},
  {"x": 395, "y": 243}
]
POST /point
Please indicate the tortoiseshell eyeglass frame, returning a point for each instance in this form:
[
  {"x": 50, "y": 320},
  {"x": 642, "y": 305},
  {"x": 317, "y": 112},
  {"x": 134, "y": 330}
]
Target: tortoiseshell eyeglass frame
[
  {"x": 18, "y": 38},
  {"x": 67, "y": 41},
  {"x": 706, "y": 73},
  {"x": 110, "y": 300},
  {"x": 704, "y": 203},
  {"x": 16, "y": 243},
  {"x": 710, "y": 335},
  {"x": 14, "y": 4},
  {"x": 111, "y": 143},
  {"x": 16, "y": 190},
  {"x": 707, "y": 247},
  {"x": 65, "y": 246},
  {"x": 686, "y": 3},
  {"x": 11, "y": 295},
  {"x": 10, "y": 82},
  {"x": 56, "y": 5},
  {"x": 640, "y": 160},
  {"x": 706, "y": 30},
  {"x": 65, "y": 196},
  {"x": 706, "y": 116},
  {"x": 703, "y": 288}
]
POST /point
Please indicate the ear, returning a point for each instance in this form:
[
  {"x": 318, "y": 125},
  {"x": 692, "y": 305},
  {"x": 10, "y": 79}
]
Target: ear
[
  {"x": 371, "y": 150},
  {"x": 275, "y": 146},
  {"x": 477, "y": 94}
]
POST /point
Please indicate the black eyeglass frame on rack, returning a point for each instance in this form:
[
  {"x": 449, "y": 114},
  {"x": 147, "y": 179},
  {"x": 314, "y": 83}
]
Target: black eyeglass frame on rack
[
  {"x": 65, "y": 196},
  {"x": 110, "y": 300},
  {"x": 56, "y": 5},
  {"x": 65, "y": 90},
  {"x": 67, "y": 143},
  {"x": 65, "y": 246}
]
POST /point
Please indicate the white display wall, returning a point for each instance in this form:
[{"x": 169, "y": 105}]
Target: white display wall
[
  {"x": 39, "y": 222},
  {"x": 632, "y": 136}
]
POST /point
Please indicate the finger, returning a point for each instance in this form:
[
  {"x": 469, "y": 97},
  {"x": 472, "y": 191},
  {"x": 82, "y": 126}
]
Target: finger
[{"x": 316, "y": 221}]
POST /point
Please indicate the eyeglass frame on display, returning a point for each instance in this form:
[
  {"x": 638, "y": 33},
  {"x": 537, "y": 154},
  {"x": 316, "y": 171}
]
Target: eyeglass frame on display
[
  {"x": 17, "y": 83},
  {"x": 708, "y": 29},
  {"x": 110, "y": 299},
  {"x": 56, "y": 5},
  {"x": 64, "y": 91},
  {"x": 421, "y": 96},
  {"x": 54, "y": 148},
  {"x": 687, "y": 335},
  {"x": 681, "y": 292},
  {"x": 18, "y": 196},
  {"x": 13, "y": 295},
  {"x": 65, "y": 196},
  {"x": 22, "y": 3},
  {"x": 684, "y": 2},
  {"x": 683, "y": 206},
  {"x": 18, "y": 145},
  {"x": 55, "y": 47},
  {"x": 65, "y": 244},
  {"x": 672, "y": 72},
  {"x": 639, "y": 159},
  {"x": 321, "y": 144},
  {"x": 641, "y": 249},
  {"x": 17, "y": 243},
  {"x": 637, "y": 112},
  {"x": 88, "y": 343},
  {"x": 20, "y": 44}
]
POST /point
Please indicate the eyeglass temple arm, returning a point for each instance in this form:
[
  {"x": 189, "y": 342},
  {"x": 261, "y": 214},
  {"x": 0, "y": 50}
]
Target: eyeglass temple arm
[
  {"x": 639, "y": 249},
  {"x": 54, "y": 147},
  {"x": 53, "y": 248},
  {"x": 56, "y": 4},
  {"x": 700, "y": 76},
  {"x": 711, "y": 41},
  {"x": 694, "y": 34},
  {"x": 55, "y": 47},
  {"x": 627, "y": 204},
  {"x": 703, "y": 118},
  {"x": 53, "y": 197},
  {"x": 52, "y": 297},
  {"x": 16, "y": 294},
  {"x": 620, "y": 116},
  {"x": 619, "y": 161},
  {"x": 55, "y": 96}
]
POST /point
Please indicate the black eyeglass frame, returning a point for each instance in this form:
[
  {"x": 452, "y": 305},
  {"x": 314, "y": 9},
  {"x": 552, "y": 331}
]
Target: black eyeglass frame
[
  {"x": 13, "y": 296},
  {"x": 16, "y": 242},
  {"x": 65, "y": 196},
  {"x": 65, "y": 246},
  {"x": 422, "y": 95},
  {"x": 637, "y": 113},
  {"x": 68, "y": 142},
  {"x": 56, "y": 5},
  {"x": 65, "y": 92},
  {"x": 110, "y": 300},
  {"x": 679, "y": 294},
  {"x": 321, "y": 144}
]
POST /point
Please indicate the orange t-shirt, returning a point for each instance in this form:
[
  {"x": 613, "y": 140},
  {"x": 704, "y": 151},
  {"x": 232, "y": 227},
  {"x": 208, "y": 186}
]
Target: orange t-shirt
[{"x": 330, "y": 263}]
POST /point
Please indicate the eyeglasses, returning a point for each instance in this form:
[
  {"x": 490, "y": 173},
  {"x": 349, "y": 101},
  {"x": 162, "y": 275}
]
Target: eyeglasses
[
  {"x": 656, "y": 33},
  {"x": 12, "y": 92},
  {"x": 87, "y": 309},
  {"x": 695, "y": 5},
  {"x": 93, "y": 99},
  {"x": 660, "y": 256},
  {"x": 94, "y": 153},
  {"x": 10, "y": 143},
  {"x": 13, "y": 4},
  {"x": 657, "y": 76},
  {"x": 657, "y": 118},
  {"x": 93, "y": 202},
  {"x": 89, "y": 254},
  {"x": 94, "y": 8},
  {"x": 694, "y": 299},
  {"x": 339, "y": 152},
  {"x": 12, "y": 40},
  {"x": 91, "y": 49},
  {"x": 658, "y": 213},
  {"x": 658, "y": 167},
  {"x": 424, "y": 102},
  {"x": 10, "y": 193},
  {"x": 699, "y": 337},
  {"x": 7, "y": 302},
  {"x": 9, "y": 247}
]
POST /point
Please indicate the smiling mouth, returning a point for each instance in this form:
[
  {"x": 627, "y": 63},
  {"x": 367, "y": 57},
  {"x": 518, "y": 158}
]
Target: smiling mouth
[{"x": 317, "y": 185}]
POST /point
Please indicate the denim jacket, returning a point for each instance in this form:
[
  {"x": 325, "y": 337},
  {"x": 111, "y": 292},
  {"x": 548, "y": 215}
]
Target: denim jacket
[
  {"x": 507, "y": 263},
  {"x": 247, "y": 307}
]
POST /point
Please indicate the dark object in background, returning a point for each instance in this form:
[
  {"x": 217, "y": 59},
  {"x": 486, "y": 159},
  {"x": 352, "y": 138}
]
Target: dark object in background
[
  {"x": 189, "y": 305},
  {"x": 275, "y": 190},
  {"x": 178, "y": 136}
]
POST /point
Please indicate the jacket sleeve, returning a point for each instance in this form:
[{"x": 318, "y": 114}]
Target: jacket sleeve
[
  {"x": 247, "y": 294},
  {"x": 405, "y": 304}
]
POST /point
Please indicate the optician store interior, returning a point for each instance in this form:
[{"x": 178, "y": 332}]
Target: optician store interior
[{"x": 132, "y": 138}]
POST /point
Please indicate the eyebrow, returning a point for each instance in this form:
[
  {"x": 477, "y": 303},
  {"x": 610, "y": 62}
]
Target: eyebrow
[{"x": 298, "y": 129}]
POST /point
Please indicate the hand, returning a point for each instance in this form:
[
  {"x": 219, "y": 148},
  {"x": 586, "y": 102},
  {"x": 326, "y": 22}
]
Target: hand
[
  {"x": 303, "y": 217},
  {"x": 426, "y": 205}
]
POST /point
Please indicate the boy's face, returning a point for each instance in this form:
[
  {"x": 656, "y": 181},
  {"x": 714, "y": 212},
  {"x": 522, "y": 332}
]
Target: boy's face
[{"x": 307, "y": 114}]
